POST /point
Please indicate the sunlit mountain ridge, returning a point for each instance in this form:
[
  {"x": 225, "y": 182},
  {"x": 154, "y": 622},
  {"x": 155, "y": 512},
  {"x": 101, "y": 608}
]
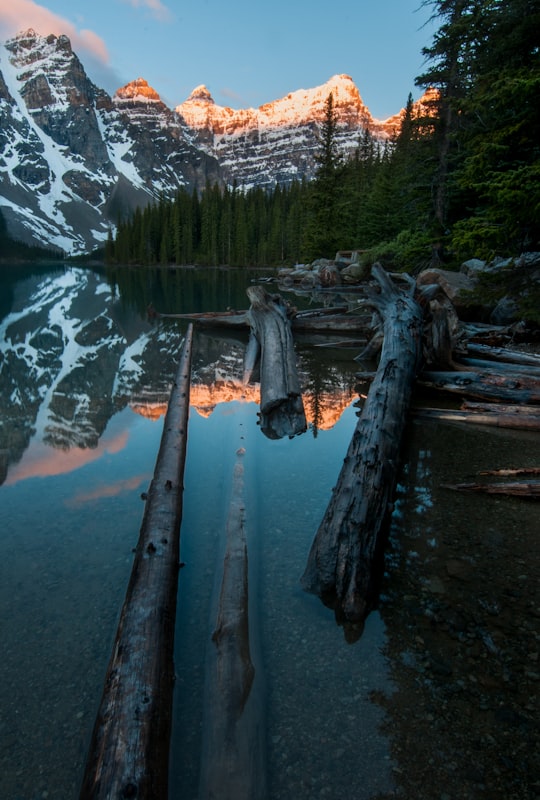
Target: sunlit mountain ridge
[{"x": 73, "y": 159}]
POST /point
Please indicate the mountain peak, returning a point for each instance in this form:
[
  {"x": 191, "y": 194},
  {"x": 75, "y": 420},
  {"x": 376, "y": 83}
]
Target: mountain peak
[
  {"x": 138, "y": 89},
  {"x": 200, "y": 94}
]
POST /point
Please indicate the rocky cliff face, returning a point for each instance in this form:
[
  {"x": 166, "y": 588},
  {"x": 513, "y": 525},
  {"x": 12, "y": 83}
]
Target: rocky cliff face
[
  {"x": 277, "y": 142},
  {"x": 72, "y": 158}
]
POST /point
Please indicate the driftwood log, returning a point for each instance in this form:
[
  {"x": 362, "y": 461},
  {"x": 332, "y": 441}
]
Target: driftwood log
[
  {"x": 129, "y": 750},
  {"x": 281, "y": 407},
  {"x": 526, "y": 489},
  {"x": 499, "y": 418},
  {"x": 504, "y": 354},
  {"x": 340, "y": 566},
  {"x": 233, "y": 763},
  {"x": 483, "y": 385}
]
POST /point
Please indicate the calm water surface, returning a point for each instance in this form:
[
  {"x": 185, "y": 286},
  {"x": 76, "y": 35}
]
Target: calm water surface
[{"x": 437, "y": 697}]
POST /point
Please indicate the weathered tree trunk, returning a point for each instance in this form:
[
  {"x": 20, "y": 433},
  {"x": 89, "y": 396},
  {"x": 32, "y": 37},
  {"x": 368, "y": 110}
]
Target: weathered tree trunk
[
  {"x": 484, "y": 386},
  {"x": 527, "y": 371},
  {"x": 340, "y": 564},
  {"x": 282, "y": 409},
  {"x": 503, "y": 354},
  {"x": 233, "y": 763},
  {"x": 128, "y": 755}
]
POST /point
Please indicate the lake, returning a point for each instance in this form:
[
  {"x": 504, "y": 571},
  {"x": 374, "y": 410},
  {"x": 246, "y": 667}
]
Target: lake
[{"x": 438, "y": 696}]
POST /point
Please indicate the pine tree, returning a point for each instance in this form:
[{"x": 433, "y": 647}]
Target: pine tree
[{"x": 322, "y": 232}]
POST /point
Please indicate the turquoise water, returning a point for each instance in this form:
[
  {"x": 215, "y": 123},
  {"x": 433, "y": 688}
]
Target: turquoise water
[{"x": 341, "y": 720}]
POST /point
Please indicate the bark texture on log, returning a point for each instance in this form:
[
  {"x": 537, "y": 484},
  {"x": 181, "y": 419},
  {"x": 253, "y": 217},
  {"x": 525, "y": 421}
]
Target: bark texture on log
[
  {"x": 341, "y": 560},
  {"x": 233, "y": 765},
  {"x": 503, "y": 354},
  {"x": 484, "y": 386},
  {"x": 282, "y": 409},
  {"x": 129, "y": 750}
]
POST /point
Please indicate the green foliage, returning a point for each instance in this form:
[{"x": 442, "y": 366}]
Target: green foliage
[
  {"x": 410, "y": 252},
  {"x": 462, "y": 176},
  {"x": 514, "y": 281}
]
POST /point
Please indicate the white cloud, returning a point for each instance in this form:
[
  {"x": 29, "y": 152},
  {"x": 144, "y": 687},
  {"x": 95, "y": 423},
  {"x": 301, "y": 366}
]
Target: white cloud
[
  {"x": 158, "y": 10},
  {"x": 19, "y": 15}
]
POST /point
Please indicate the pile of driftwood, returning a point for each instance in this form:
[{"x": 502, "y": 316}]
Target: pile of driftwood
[{"x": 419, "y": 342}]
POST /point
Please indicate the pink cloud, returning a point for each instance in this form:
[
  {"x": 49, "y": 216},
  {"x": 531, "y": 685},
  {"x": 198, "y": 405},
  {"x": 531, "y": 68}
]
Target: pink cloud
[
  {"x": 19, "y": 15},
  {"x": 109, "y": 490},
  {"x": 41, "y": 461}
]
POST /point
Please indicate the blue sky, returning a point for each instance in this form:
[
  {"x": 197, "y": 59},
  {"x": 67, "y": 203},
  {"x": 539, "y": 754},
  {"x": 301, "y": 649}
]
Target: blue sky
[{"x": 247, "y": 53}]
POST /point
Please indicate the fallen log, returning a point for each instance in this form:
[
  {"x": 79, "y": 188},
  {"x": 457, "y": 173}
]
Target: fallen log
[
  {"x": 484, "y": 385},
  {"x": 281, "y": 405},
  {"x": 527, "y": 371},
  {"x": 342, "y": 560},
  {"x": 233, "y": 763},
  {"x": 503, "y": 354},
  {"x": 500, "y": 408},
  {"x": 530, "y": 422},
  {"x": 128, "y": 753},
  {"x": 511, "y": 471},
  {"x": 527, "y": 489},
  {"x": 335, "y": 319}
]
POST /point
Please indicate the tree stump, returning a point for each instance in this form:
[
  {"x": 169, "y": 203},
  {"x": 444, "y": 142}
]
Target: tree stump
[{"x": 282, "y": 408}]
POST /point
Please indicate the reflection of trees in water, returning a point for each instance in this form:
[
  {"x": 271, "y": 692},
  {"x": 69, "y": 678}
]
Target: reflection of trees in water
[
  {"x": 323, "y": 379},
  {"x": 181, "y": 290}
]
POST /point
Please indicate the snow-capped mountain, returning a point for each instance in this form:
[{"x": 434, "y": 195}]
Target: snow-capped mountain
[
  {"x": 277, "y": 142},
  {"x": 73, "y": 159}
]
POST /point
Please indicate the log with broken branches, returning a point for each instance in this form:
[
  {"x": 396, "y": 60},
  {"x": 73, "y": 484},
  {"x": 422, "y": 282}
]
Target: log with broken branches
[
  {"x": 129, "y": 749},
  {"x": 281, "y": 407},
  {"x": 233, "y": 763},
  {"x": 341, "y": 564}
]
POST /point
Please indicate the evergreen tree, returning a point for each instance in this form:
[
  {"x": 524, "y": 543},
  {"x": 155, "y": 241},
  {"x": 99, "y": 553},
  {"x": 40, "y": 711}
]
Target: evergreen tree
[{"x": 322, "y": 232}]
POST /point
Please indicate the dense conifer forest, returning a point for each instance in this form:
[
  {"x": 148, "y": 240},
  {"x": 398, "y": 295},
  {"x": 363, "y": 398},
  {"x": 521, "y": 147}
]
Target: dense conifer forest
[{"x": 462, "y": 179}]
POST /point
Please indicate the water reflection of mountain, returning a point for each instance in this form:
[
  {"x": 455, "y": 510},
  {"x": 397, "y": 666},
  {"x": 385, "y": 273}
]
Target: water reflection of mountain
[{"x": 73, "y": 353}]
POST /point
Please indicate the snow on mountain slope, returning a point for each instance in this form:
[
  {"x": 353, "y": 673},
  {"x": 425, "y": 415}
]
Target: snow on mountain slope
[
  {"x": 73, "y": 159},
  {"x": 278, "y": 141}
]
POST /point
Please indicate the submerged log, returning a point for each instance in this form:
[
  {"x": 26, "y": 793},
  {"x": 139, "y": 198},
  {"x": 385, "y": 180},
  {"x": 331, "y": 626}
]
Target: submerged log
[
  {"x": 128, "y": 754},
  {"x": 233, "y": 765},
  {"x": 282, "y": 409},
  {"x": 335, "y": 319},
  {"x": 340, "y": 566},
  {"x": 499, "y": 419},
  {"x": 527, "y": 489},
  {"x": 513, "y": 471}
]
